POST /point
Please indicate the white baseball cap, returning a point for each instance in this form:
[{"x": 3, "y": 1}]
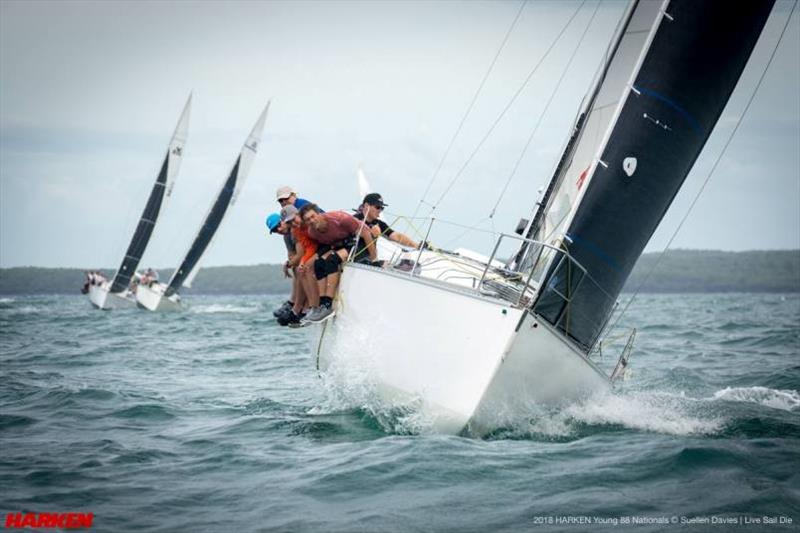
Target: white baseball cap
[{"x": 284, "y": 192}]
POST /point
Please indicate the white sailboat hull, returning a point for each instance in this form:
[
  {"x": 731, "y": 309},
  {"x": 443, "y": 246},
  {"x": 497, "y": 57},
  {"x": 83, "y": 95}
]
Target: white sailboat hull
[
  {"x": 451, "y": 355},
  {"x": 101, "y": 298},
  {"x": 151, "y": 297}
]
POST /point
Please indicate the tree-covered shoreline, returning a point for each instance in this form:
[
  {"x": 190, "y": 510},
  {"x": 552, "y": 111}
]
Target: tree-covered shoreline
[{"x": 678, "y": 271}]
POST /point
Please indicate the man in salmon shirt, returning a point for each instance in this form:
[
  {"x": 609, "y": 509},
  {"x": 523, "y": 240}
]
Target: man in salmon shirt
[{"x": 335, "y": 234}]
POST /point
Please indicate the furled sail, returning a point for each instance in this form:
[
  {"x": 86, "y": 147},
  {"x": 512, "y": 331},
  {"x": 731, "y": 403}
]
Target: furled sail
[
  {"x": 186, "y": 272},
  {"x": 613, "y": 188},
  {"x": 161, "y": 188}
]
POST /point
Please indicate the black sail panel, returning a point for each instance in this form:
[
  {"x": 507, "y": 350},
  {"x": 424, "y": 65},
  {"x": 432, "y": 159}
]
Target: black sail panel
[
  {"x": 143, "y": 232},
  {"x": 690, "y": 70},
  {"x": 207, "y": 231}
]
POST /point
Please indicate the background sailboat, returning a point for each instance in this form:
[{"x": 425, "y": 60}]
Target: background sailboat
[
  {"x": 116, "y": 293},
  {"x": 159, "y": 296}
]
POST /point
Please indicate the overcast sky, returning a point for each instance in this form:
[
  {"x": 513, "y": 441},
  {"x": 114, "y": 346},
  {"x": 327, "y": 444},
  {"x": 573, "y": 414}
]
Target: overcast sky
[{"x": 90, "y": 93}]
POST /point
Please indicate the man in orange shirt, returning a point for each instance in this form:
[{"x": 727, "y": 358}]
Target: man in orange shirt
[{"x": 302, "y": 262}]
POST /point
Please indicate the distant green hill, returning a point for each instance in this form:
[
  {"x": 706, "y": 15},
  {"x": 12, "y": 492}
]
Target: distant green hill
[
  {"x": 677, "y": 271},
  {"x": 715, "y": 271}
]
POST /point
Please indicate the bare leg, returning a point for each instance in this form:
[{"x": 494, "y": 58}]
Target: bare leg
[
  {"x": 295, "y": 288},
  {"x": 299, "y": 293},
  {"x": 332, "y": 283},
  {"x": 309, "y": 282}
]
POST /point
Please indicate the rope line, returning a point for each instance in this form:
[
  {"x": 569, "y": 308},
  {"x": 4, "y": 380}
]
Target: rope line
[
  {"x": 505, "y": 110},
  {"x": 469, "y": 109},
  {"x": 544, "y": 112},
  {"x": 708, "y": 177}
]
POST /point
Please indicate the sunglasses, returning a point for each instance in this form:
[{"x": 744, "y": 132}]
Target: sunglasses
[{"x": 283, "y": 201}]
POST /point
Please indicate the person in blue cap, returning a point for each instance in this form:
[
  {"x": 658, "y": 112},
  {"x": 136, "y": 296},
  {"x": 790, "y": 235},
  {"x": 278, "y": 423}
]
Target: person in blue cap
[{"x": 274, "y": 225}]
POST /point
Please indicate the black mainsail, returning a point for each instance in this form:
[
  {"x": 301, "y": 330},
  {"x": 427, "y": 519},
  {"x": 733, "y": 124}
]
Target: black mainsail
[
  {"x": 161, "y": 189},
  {"x": 610, "y": 199},
  {"x": 227, "y": 195}
]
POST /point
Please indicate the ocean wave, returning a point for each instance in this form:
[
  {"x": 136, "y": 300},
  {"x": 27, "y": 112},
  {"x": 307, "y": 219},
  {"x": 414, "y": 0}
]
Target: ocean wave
[
  {"x": 148, "y": 412},
  {"x": 223, "y": 308},
  {"x": 657, "y": 412},
  {"x": 785, "y": 400},
  {"x": 654, "y": 412},
  {"x": 28, "y": 309}
]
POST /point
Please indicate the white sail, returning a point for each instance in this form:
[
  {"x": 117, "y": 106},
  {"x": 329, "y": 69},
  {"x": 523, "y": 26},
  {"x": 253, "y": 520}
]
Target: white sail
[
  {"x": 249, "y": 151},
  {"x": 363, "y": 184},
  {"x": 612, "y": 79},
  {"x": 176, "y": 145}
]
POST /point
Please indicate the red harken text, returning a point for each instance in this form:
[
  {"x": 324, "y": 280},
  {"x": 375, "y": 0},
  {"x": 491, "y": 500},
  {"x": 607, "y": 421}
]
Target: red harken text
[{"x": 62, "y": 520}]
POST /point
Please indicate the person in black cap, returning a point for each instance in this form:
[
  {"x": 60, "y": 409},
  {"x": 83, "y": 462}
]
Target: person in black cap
[{"x": 369, "y": 211}]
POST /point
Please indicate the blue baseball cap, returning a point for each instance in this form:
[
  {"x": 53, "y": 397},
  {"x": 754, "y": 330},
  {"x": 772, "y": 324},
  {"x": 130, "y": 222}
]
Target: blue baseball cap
[{"x": 273, "y": 221}]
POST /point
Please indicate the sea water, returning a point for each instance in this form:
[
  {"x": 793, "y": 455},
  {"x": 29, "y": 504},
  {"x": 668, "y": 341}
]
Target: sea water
[{"x": 214, "y": 419}]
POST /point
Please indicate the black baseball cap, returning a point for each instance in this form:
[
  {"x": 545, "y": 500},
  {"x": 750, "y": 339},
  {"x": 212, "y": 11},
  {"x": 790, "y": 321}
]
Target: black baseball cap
[{"x": 375, "y": 199}]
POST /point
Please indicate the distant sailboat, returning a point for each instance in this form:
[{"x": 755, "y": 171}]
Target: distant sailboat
[
  {"x": 470, "y": 343},
  {"x": 116, "y": 293},
  {"x": 159, "y": 296}
]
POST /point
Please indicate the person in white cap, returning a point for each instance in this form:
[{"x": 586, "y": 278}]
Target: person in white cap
[{"x": 286, "y": 196}]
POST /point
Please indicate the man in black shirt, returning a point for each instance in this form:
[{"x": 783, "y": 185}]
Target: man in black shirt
[{"x": 369, "y": 211}]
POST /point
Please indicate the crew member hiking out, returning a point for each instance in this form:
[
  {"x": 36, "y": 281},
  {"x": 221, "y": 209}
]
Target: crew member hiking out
[{"x": 335, "y": 234}]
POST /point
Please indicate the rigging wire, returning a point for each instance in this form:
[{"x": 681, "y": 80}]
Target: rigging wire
[
  {"x": 544, "y": 112},
  {"x": 708, "y": 177},
  {"x": 505, "y": 110},
  {"x": 469, "y": 107}
]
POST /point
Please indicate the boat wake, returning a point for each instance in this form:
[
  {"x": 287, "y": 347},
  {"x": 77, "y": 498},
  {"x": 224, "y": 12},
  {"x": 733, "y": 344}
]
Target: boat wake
[
  {"x": 349, "y": 385},
  {"x": 785, "y": 400},
  {"x": 662, "y": 412}
]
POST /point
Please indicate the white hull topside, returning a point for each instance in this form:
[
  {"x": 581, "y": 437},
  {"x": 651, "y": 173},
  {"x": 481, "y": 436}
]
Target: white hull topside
[
  {"x": 101, "y": 298},
  {"x": 465, "y": 362},
  {"x": 151, "y": 297}
]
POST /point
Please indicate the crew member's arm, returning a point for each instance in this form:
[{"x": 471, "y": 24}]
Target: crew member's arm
[
  {"x": 299, "y": 252},
  {"x": 399, "y": 238},
  {"x": 369, "y": 242}
]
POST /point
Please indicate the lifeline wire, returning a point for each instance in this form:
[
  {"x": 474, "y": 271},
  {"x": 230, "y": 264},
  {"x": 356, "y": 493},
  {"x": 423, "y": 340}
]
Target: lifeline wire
[
  {"x": 469, "y": 108},
  {"x": 505, "y": 110},
  {"x": 711, "y": 173},
  {"x": 544, "y": 112}
]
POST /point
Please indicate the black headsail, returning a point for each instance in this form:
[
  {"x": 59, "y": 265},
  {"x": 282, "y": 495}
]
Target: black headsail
[
  {"x": 206, "y": 233},
  {"x": 161, "y": 188},
  {"x": 692, "y": 61},
  {"x": 227, "y": 195}
]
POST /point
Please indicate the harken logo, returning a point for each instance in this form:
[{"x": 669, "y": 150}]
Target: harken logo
[{"x": 49, "y": 520}]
